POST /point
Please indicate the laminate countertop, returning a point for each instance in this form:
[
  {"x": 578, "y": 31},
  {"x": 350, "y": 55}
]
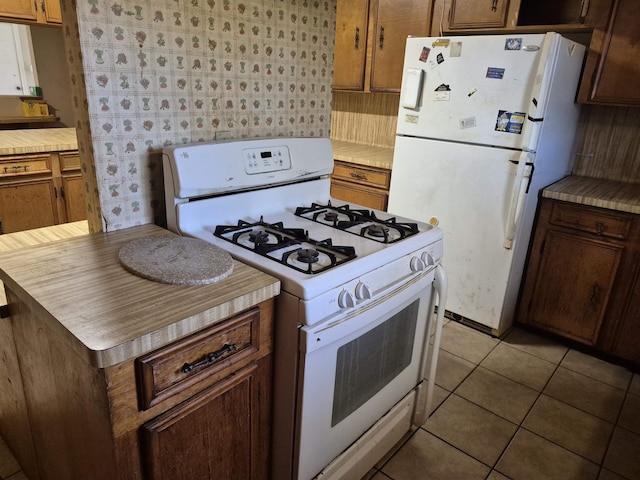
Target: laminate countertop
[
  {"x": 19, "y": 240},
  {"x": 37, "y": 140},
  {"x": 596, "y": 192},
  {"x": 359, "y": 154},
  {"x": 109, "y": 315}
]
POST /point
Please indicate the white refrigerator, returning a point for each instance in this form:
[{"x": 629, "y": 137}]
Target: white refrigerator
[{"x": 484, "y": 123}]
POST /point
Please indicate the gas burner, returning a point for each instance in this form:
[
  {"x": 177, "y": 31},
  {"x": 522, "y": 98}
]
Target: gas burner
[
  {"x": 258, "y": 237},
  {"x": 288, "y": 246},
  {"x": 358, "y": 221},
  {"x": 308, "y": 255},
  {"x": 331, "y": 217},
  {"x": 377, "y": 230}
]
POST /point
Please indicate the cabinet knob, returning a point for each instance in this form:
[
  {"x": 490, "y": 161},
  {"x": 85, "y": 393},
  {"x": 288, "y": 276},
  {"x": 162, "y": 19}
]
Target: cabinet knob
[{"x": 600, "y": 228}]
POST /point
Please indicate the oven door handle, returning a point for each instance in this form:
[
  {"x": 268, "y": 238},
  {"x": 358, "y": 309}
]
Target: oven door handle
[{"x": 424, "y": 396}]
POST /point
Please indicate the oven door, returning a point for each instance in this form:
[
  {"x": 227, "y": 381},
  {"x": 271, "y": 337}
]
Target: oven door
[{"x": 354, "y": 370}]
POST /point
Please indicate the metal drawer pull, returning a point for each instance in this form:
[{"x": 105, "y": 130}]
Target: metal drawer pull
[
  {"x": 357, "y": 39},
  {"x": 600, "y": 228},
  {"x": 209, "y": 357},
  {"x": 359, "y": 176},
  {"x": 16, "y": 168}
]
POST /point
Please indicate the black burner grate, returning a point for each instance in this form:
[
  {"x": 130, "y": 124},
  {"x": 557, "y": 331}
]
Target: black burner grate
[
  {"x": 374, "y": 228},
  {"x": 285, "y": 239}
]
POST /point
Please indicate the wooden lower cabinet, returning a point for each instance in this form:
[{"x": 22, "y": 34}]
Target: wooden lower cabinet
[
  {"x": 361, "y": 185},
  {"x": 581, "y": 280},
  {"x": 28, "y": 204},
  {"x": 215, "y": 434},
  {"x": 184, "y": 411},
  {"x": 40, "y": 190}
]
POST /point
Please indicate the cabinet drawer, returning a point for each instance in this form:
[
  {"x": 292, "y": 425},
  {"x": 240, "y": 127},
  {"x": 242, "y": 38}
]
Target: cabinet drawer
[
  {"x": 25, "y": 165},
  {"x": 593, "y": 220},
  {"x": 69, "y": 161},
  {"x": 177, "y": 366},
  {"x": 366, "y": 176}
]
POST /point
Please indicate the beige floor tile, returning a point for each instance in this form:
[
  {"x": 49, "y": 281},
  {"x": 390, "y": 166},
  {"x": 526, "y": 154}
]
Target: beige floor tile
[
  {"x": 535, "y": 345},
  {"x": 380, "y": 476},
  {"x": 573, "y": 429},
  {"x": 426, "y": 456},
  {"x": 635, "y": 385},
  {"x": 498, "y": 394},
  {"x": 531, "y": 457},
  {"x": 597, "y": 369},
  {"x": 630, "y": 416},
  {"x": 466, "y": 342},
  {"x": 623, "y": 455},
  {"x": 439, "y": 395},
  {"x": 497, "y": 476},
  {"x": 452, "y": 370},
  {"x": 608, "y": 475},
  {"x": 8, "y": 464},
  {"x": 524, "y": 368},
  {"x": 585, "y": 393},
  {"x": 471, "y": 428}
]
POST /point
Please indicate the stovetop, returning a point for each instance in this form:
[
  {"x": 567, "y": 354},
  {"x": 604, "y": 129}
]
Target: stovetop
[{"x": 268, "y": 203}]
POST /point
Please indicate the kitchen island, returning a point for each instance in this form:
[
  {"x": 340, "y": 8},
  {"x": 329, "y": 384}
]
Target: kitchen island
[{"x": 94, "y": 383}]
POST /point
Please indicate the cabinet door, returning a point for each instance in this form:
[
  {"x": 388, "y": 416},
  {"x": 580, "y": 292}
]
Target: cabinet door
[
  {"x": 350, "y": 44},
  {"x": 568, "y": 284},
  {"x": 627, "y": 344},
  {"x": 73, "y": 196},
  {"x": 395, "y": 20},
  {"x": 19, "y": 9},
  {"x": 612, "y": 68},
  {"x": 221, "y": 433},
  {"x": 52, "y": 11},
  {"x": 469, "y": 14},
  {"x": 27, "y": 205}
]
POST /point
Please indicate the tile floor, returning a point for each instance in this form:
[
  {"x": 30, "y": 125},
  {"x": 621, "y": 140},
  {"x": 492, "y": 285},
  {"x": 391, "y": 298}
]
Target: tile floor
[{"x": 523, "y": 407}]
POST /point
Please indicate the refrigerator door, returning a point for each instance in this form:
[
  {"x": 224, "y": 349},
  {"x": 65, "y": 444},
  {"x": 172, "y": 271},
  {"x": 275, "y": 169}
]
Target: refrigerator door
[
  {"x": 477, "y": 89},
  {"x": 476, "y": 196}
]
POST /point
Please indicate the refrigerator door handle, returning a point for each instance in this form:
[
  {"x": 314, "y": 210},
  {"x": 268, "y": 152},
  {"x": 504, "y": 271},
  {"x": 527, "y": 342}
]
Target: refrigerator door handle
[{"x": 517, "y": 198}]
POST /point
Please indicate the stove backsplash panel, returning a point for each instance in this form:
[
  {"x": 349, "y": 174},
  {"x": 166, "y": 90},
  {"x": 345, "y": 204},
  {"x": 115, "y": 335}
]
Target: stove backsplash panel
[{"x": 150, "y": 73}]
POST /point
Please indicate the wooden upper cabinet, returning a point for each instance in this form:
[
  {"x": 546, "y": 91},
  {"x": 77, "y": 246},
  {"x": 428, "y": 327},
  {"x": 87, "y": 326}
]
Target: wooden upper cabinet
[
  {"x": 32, "y": 11},
  {"x": 495, "y": 16},
  {"x": 370, "y": 42},
  {"x": 612, "y": 68},
  {"x": 52, "y": 11},
  {"x": 465, "y": 14},
  {"x": 19, "y": 10},
  {"x": 351, "y": 44},
  {"x": 395, "y": 21}
]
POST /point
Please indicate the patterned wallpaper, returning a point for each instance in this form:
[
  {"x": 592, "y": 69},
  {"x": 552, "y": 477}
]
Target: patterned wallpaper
[{"x": 152, "y": 73}]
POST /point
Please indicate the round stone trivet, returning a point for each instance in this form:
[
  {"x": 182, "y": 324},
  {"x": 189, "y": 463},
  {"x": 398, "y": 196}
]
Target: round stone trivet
[{"x": 176, "y": 260}]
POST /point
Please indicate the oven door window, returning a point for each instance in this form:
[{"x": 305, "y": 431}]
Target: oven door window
[{"x": 368, "y": 363}]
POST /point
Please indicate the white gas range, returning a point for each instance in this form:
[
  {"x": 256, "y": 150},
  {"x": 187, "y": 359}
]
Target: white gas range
[{"x": 351, "y": 349}]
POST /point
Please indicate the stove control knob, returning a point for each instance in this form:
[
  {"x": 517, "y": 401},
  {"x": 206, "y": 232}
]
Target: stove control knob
[
  {"x": 346, "y": 300},
  {"x": 428, "y": 258},
  {"x": 417, "y": 265},
  {"x": 363, "y": 291}
]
